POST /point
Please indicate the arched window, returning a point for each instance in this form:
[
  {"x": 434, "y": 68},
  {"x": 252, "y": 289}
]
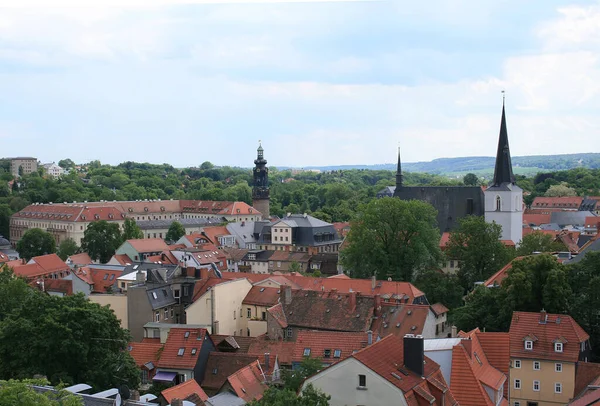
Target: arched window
[{"x": 498, "y": 203}]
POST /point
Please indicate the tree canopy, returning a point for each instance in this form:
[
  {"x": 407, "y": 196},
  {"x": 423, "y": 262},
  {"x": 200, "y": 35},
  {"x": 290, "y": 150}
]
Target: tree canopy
[
  {"x": 175, "y": 232},
  {"x": 470, "y": 179},
  {"x": 36, "y": 242},
  {"x": 286, "y": 397},
  {"x": 440, "y": 287},
  {"x": 131, "y": 231},
  {"x": 20, "y": 393},
  {"x": 392, "y": 238},
  {"x": 538, "y": 242},
  {"x": 294, "y": 378},
  {"x": 101, "y": 239},
  {"x": 66, "y": 248}
]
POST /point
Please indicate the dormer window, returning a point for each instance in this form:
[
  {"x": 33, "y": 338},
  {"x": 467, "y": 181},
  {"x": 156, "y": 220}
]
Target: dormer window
[
  {"x": 306, "y": 352},
  {"x": 529, "y": 345},
  {"x": 558, "y": 347}
]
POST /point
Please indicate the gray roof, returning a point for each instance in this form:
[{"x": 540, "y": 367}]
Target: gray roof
[
  {"x": 160, "y": 297},
  {"x": 587, "y": 204},
  {"x": 302, "y": 220},
  {"x": 4, "y": 242},
  {"x": 243, "y": 230},
  {"x": 225, "y": 399},
  {"x": 575, "y": 218},
  {"x": 593, "y": 247},
  {"x": 550, "y": 226},
  {"x": 306, "y": 230},
  {"x": 387, "y": 191},
  {"x": 191, "y": 222}
]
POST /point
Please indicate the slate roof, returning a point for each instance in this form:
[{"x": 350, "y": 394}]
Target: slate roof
[
  {"x": 567, "y": 218},
  {"x": 262, "y": 296},
  {"x": 400, "y": 320},
  {"x": 305, "y": 230},
  {"x": 221, "y": 365},
  {"x": 248, "y": 382},
  {"x": 177, "y": 340},
  {"x": 332, "y": 341},
  {"x": 594, "y": 246},
  {"x": 183, "y": 391},
  {"x": 160, "y": 297},
  {"x": 557, "y": 326},
  {"x": 185, "y": 222}
]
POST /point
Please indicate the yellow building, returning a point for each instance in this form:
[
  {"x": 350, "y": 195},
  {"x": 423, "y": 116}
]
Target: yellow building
[{"x": 254, "y": 309}]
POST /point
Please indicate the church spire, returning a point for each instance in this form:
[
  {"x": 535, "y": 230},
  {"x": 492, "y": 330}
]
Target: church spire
[
  {"x": 399, "y": 176},
  {"x": 503, "y": 170}
]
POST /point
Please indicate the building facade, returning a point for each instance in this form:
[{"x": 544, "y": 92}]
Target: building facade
[{"x": 23, "y": 165}]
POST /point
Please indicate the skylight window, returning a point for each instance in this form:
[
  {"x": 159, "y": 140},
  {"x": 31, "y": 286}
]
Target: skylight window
[
  {"x": 194, "y": 350},
  {"x": 154, "y": 295},
  {"x": 180, "y": 352},
  {"x": 337, "y": 353},
  {"x": 306, "y": 352},
  {"x": 187, "y": 334}
]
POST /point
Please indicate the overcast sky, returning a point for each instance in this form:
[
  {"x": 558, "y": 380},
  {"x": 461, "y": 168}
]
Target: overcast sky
[{"x": 319, "y": 82}]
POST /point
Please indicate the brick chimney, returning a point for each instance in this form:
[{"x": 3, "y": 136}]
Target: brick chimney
[
  {"x": 352, "y": 301},
  {"x": 190, "y": 271},
  {"x": 204, "y": 273},
  {"x": 285, "y": 294},
  {"x": 454, "y": 331},
  {"x": 414, "y": 353}
]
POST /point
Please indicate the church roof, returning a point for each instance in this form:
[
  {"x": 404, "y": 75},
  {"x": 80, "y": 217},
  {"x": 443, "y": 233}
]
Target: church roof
[{"x": 503, "y": 172}]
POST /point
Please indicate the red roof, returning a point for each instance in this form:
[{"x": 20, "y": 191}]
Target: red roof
[
  {"x": 103, "y": 278},
  {"x": 238, "y": 209},
  {"x": 122, "y": 259},
  {"x": 557, "y": 327},
  {"x": 497, "y": 278},
  {"x": 221, "y": 365},
  {"x": 145, "y": 352},
  {"x": 400, "y": 320},
  {"x": 284, "y": 350},
  {"x": 326, "y": 344},
  {"x": 81, "y": 259},
  {"x": 48, "y": 285},
  {"x": 184, "y": 391},
  {"x": 444, "y": 240},
  {"x": 51, "y": 263},
  {"x": 564, "y": 202},
  {"x": 29, "y": 271},
  {"x": 213, "y": 233},
  {"x": 278, "y": 314},
  {"x": 248, "y": 382},
  {"x": 536, "y": 218},
  {"x": 497, "y": 350},
  {"x": 144, "y": 245},
  {"x": 587, "y": 373},
  {"x": 589, "y": 399},
  {"x": 176, "y": 340},
  {"x": 439, "y": 309},
  {"x": 203, "y": 286},
  {"x": 3, "y": 258},
  {"x": 592, "y": 222},
  {"x": 260, "y": 296}
]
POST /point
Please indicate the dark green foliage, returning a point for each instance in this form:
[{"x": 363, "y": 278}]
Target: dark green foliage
[
  {"x": 5, "y": 213},
  {"x": 131, "y": 231},
  {"x": 293, "y": 379},
  {"x": 36, "y": 242},
  {"x": 482, "y": 309},
  {"x": 175, "y": 232},
  {"x": 20, "y": 393},
  {"x": 285, "y": 397},
  {"x": 101, "y": 239},
  {"x": 476, "y": 244},
  {"x": 67, "y": 339},
  {"x": 392, "y": 238},
  {"x": 440, "y": 287},
  {"x": 470, "y": 179},
  {"x": 538, "y": 242},
  {"x": 67, "y": 248}
]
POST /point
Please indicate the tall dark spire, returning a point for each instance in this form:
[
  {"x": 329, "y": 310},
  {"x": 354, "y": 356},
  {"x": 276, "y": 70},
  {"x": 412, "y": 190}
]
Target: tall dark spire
[
  {"x": 399, "y": 176},
  {"x": 503, "y": 170}
]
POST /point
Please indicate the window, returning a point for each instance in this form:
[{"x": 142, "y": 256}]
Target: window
[
  {"x": 451, "y": 264},
  {"x": 157, "y": 316},
  {"x": 517, "y": 384},
  {"x": 306, "y": 352},
  {"x": 362, "y": 381},
  {"x": 498, "y": 203},
  {"x": 154, "y": 295},
  {"x": 172, "y": 312},
  {"x": 289, "y": 332},
  {"x": 180, "y": 352},
  {"x": 337, "y": 353},
  {"x": 558, "y": 367},
  {"x": 517, "y": 363},
  {"x": 536, "y": 386},
  {"x": 264, "y": 315},
  {"x": 249, "y": 312},
  {"x": 176, "y": 293},
  {"x": 105, "y": 276},
  {"x": 194, "y": 351},
  {"x": 278, "y": 264},
  {"x": 166, "y": 314},
  {"x": 327, "y": 353},
  {"x": 558, "y": 347},
  {"x": 536, "y": 365},
  {"x": 517, "y": 403},
  {"x": 122, "y": 285},
  {"x": 529, "y": 345},
  {"x": 234, "y": 314},
  {"x": 558, "y": 387},
  {"x": 186, "y": 334}
]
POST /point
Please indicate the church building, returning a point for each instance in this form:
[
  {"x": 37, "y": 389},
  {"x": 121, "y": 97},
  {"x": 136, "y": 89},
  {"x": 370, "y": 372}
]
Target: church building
[{"x": 500, "y": 202}]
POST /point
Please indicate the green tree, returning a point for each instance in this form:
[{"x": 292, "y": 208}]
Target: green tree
[
  {"x": 286, "y": 397},
  {"x": 206, "y": 165},
  {"x": 295, "y": 266},
  {"x": 482, "y": 309},
  {"x": 5, "y": 213},
  {"x": 470, "y": 179},
  {"x": 101, "y": 239},
  {"x": 36, "y": 242},
  {"x": 66, "y": 164},
  {"x": 21, "y": 393},
  {"x": 67, "y": 339},
  {"x": 560, "y": 190},
  {"x": 67, "y": 248},
  {"x": 538, "y": 242},
  {"x": 131, "y": 231},
  {"x": 476, "y": 244},
  {"x": 175, "y": 232},
  {"x": 392, "y": 238},
  {"x": 440, "y": 287},
  {"x": 294, "y": 378}
]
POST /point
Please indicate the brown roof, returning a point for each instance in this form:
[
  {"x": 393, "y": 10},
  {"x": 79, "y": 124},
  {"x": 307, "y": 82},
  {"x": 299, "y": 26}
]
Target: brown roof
[
  {"x": 497, "y": 350},
  {"x": 589, "y": 399},
  {"x": 282, "y": 349},
  {"x": 241, "y": 343},
  {"x": 145, "y": 352},
  {"x": 544, "y": 334},
  {"x": 248, "y": 382},
  {"x": 326, "y": 344},
  {"x": 221, "y": 365},
  {"x": 260, "y": 296},
  {"x": 400, "y": 320},
  {"x": 123, "y": 259},
  {"x": 63, "y": 286},
  {"x": 177, "y": 340},
  {"x": 585, "y": 374},
  {"x": 537, "y": 218},
  {"x": 235, "y": 254},
  {"x": 563, "y": 202},
  {"x": 51, "y": 263},
  {"x": 81, "y": 259},
  {"x": 143, "y": 245},
  {"x": 439, "y": 309},
  {"x": 184, "y": 391}
]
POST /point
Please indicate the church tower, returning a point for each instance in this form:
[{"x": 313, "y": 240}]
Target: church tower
[
  {"x": 503, "y": 198},
  {"x": 260, "y": 190}
]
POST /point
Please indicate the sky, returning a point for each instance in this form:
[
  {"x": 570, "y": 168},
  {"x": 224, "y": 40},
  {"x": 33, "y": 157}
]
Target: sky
[{"x": 318, "y": 82}]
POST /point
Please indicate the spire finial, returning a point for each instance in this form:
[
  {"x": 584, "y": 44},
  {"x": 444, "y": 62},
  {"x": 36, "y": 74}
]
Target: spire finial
[{"x": 503, "y": 96}]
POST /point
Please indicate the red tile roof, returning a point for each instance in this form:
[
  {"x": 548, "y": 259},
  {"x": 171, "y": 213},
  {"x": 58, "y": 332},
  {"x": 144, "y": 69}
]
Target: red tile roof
[
  {"x": 339, "y": 276},
  {"x": 51, "y": 263},
  {"x": 444, "y": 240},
  {"x": 238, "y": 209},
  {"x": 536, "y": 218},
  {"x": 213, "y": 233},
  {"x": 248, "y": 382},
  {"x": 278, "y": 313},
  {"x": 183, "y": 391},
  {"x": 282, "y": 349},
  {"x": 497, "y": 350},
  {"x": 587, "y": 373},
  {"x": 557, "y": 327},
  {"x": 145, "y": 352},
  {"x": 400, "y": 320},
  {"x": 260, "y": 296},
  {"x": 564, "y": 202},
  {"x": 122, "y": 259},
  {"x": 252, "y": 277},
  {"x": 221, "y": 365},
  {"x": 144, "y": 245},
  {"x": 497, "y": 278},
  {"x": 103, "y": 279},
  {"x": 81, "y": 259},
  {"x": 332, "y": 341},
  {"x": 176, "y": 340},
  {"x": 439, "y": 309},
  {"x": 203, "y": 286},
  {"x": 589, "y": 399},
  {"x": 29, "y": 271},
  {"x": 592, "y": 222},
  {"x": 48, "y": 285}
]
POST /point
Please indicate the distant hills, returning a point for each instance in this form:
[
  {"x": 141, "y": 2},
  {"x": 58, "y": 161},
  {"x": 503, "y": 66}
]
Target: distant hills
[{"x": 484, "y": 165}]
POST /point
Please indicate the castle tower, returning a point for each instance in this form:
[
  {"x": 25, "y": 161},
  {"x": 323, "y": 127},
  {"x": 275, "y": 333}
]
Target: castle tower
[
  {"x": 260, "y": 190},
  {"x": 503, "y": 198}
]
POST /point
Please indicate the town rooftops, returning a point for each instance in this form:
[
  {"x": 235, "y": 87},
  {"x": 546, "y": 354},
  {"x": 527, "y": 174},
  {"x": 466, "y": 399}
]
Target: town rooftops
[
  {"x": 261, "y": 296},
  {"x": 329, "y": 346},
  {"x": 550, "y": 336},
  {"x": 145, "y": 245},
  {"x": 145, "y": 353},
  {"x": 400, "y": 320},
  {"x": 248, "y": 382},
  {"x": 182, "y": 348},
  {"x": 221, "y": 365},
  {"x": 188, "y": 390}
]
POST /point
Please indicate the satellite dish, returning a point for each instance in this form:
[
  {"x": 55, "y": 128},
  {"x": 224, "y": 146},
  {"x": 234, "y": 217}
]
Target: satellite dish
[{"x": 124, "y": 392}]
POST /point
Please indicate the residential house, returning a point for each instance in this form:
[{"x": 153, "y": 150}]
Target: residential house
[
  {"x": 328, "y": 346},
  {"x": 311, "y": 310},
  {"x": 53, "y": 170},
  {"x": 220, "y": 366},
  {"x": 146, "y": 354},
  {"x": 23, "y": 165},
  {"x": 403, "y": 319},
  {"x": 545, "y": 350},
  {"x": 217, "y": 235},
  {"x": 189, "y": 391},
  {"x": 184, "y": 356},
  {"x": 158, "y": 228},
  {"x": 391, "y": 371},
  {"x": 234, "y": 258},
  {"x": 218, "y": 303},
  {"x": 140, "y": 249},
  {"x": 204, "y": 255},
  {"x": 81, "y": 259},
  {"x": 248, "y": 383},
  {"x": 53, "y": 287},
  {"x": 243, "y": 232},
  {"x": 254, "y": 312},
  {"x": 51, "y": 265},
  {"x": 441, "y": 319}
]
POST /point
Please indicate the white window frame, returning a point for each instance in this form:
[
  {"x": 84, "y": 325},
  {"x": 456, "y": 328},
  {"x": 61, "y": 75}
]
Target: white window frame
[
  {"x": 517, "y": 364},
  {"x": 536, "y": 364},
  {"x": 557, "y": 385},
  {"x": 157, "y": 316},
  {"x": 558, "y": 347},
  {"x": 536, "y": 383},
  {"x": 558, "y": 367},
  {"x": 529, "y": 345},
  {"x": 517, "y": 384}
]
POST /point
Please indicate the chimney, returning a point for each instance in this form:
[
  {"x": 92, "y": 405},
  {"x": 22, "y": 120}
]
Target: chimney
[
  {"x": 267, "y": 360},
  {"x": 288, "y": 294},
  {"x": 373, "y": 282},
  {"x": 139, "y": 277},
  {"x": 190, "y": 271},
  {"x": 454, "y": 332},
  {"x": 543, "y": 317},
  {"x": 369, "y": 337},
  {"x": 204, "y": 273},
  {"x": 414, "y": 353},
  {"x": 377, "y": 305},
  {"x": 352, "y": 301}
]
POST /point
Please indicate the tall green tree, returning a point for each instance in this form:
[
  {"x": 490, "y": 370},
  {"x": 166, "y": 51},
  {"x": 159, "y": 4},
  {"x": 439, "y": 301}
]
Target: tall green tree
[
  {"x": 483, "y": 309},
  {"x": 175, "y": 232},
  {"x": 101, "y": 239},
  {"x": 286, "y": 397},
  {"x": 440, "y": 287},
  {"x": 538, "y": 242},
  {"x": 5, "y": 213},
  {"x": 36, "y": 242},
  {"x": 66, "y": 248},
  {"x": 470, "y": 179},
  {"x": 293, "y": 379},
  {"x": 67, "y": 339},
  {"x": 21, "y": 393},
  {"x": 66, "y": 164},
  {"x": 476, "y": 244},
  {"x": 131, "y": 231},
  {"x": 392, "y": 238}
]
